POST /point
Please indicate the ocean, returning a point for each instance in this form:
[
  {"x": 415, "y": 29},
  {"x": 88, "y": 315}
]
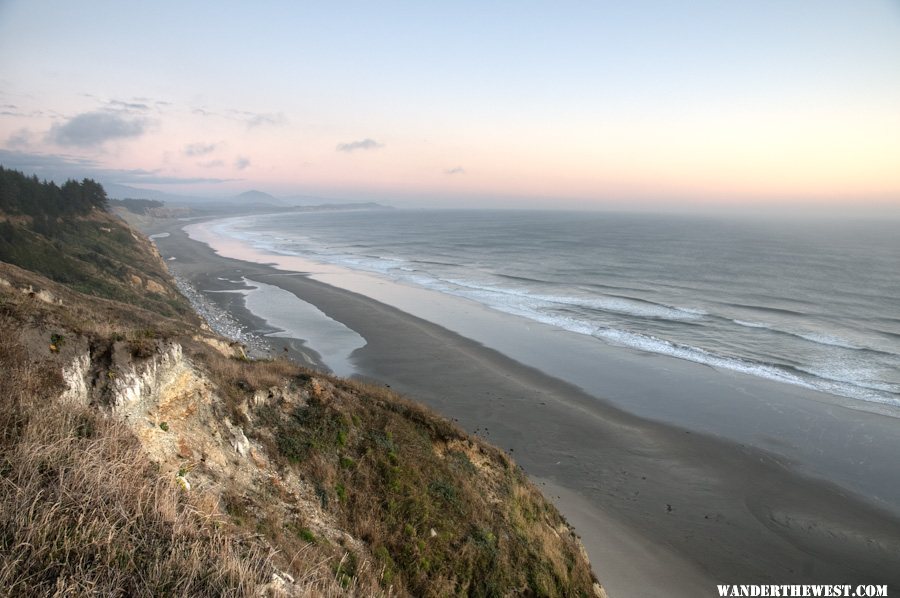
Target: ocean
[{"x": 815, "y": 304}]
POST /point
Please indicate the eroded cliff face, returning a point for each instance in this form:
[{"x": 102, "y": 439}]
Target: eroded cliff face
[{"x": 177, "y": 413}]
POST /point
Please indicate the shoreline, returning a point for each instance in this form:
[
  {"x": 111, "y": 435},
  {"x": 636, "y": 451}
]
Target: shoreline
[
  {"x": 225, "y": 237},
  {"x": 796, "y": 424},
  {"x": 715, "y": 511}
]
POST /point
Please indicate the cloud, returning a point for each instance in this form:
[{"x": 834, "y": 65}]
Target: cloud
[
  {"x": 51, "y": 166},
  {"x": 21, "y": 138},
  {"x": 251, "y": 119},
  {"x": 258, "y": 120},
  {"x": 241, "y": 163},
  {"x": 200, "y": 149},
  {"x": 457, "y": 170},
  {"x": 128, "y": 106},
  {"x": 154, "y": 179},
  {"x": 60, "y": 167},
  {"x": 93, "y": 129},
  {"x": 212, "y": 164},
  {"x": 364, "y": 144},
  {"x": 14, "y": 110}
]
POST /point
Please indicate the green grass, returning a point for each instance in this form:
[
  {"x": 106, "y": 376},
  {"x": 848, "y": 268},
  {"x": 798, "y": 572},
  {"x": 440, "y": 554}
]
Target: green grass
[{"x": 396, "y": 472}]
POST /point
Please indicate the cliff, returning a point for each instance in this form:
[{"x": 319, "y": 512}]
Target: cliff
[{"x": 144, "y": 455}]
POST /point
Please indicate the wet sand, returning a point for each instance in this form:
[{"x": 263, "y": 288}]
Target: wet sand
[{"x": 661, "y": 509}]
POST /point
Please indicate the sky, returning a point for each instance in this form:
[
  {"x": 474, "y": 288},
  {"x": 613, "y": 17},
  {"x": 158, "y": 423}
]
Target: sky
[{"x": 649, "y": 104}]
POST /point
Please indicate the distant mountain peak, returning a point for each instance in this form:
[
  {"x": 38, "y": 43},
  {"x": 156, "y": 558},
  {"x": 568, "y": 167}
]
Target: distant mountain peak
[{"x": 256, "y": 195}]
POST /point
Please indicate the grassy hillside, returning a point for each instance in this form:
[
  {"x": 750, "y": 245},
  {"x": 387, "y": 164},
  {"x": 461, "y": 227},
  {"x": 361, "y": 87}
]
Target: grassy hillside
[
  {"x": 66, "y": 234},
  {"x": 83, "y": 511},
  {"x": 142, "y": 455}
]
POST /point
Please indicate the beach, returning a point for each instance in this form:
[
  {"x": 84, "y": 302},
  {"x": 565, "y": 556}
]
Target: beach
[{"x": 670, "y": 497}]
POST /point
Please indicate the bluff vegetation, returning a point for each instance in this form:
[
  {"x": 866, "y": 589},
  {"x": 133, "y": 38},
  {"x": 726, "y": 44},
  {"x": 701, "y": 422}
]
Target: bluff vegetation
[{"x": 142, "y": 455}]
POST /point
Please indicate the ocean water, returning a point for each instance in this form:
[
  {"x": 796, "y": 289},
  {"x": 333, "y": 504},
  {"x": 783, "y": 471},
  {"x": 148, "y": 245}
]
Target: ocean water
[{"x": 812, "y": 304}]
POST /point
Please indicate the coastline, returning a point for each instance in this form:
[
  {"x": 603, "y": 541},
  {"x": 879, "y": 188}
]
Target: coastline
[{"x": 715, "y": 511}]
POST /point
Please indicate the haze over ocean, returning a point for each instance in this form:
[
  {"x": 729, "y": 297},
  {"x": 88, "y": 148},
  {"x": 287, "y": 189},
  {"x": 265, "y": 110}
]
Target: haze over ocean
[{"x": 809, "y": 304}]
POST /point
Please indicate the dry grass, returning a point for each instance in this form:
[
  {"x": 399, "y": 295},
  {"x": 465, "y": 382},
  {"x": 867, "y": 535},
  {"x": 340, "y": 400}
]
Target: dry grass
[
  {"x": 245, "y": 374},
  {"x": 237, "y": 378},
  {"x": 82, "y": 508},
  {"x": 93, "y": 317},
  {"x": 83, "y": 511}
]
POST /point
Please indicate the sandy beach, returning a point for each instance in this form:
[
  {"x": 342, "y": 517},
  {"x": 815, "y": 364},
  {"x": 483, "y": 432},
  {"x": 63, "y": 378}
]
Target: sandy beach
[{"x": 663, "y": 509}]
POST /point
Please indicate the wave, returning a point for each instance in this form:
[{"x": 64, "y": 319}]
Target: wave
[
  {"x": 407, "y": 271},
  {"x": 844, "y": 373},
  {"x": 849, "y": 383},
  {"x": 888, "y": 333},
  {"x": 403, "y": 269},
  {"x": 437, "y": 263},
  {"x": 826, "y": 339},
  {"x": 753, "y": 324},
  {"x": 526, "y": 279},
  {"x": 814, "y": 337},
  {"x": 629, "y": 306},
  {"x": 767, "y": 308},
  {"x": 823, "y": 379}
]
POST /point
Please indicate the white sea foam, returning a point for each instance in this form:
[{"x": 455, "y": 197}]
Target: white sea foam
[
  {"x": 858, "y": 373},
  {"x": 621, "y": 305},
  {"x": 833, "y": 380},
  {"x": 826, "y": 339},
  {"x": 846, "y": 383},
  {"x": 752, "y": 324},
  {"x": 813, "y": 337}
]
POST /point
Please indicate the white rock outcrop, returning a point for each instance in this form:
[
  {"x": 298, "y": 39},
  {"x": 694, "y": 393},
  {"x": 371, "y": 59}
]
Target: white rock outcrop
[{"x": 76, "y": 376}]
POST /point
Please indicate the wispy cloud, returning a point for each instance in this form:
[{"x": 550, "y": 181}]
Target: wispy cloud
[
  {"x": 127, "y": 106},
  {"x": 241, "y": 163},
  {"x": 457, "y": 170},
  {"x": 212, "y": 164},
  {"x": 53, "y": 166},
  {"x": 258, "y": 120},
  {"x": 363, "y": 144},
  {"x": 251, "y": 119},
  {"x": 92, "y": 129},
  {"x": 14, "y": 110},
  {"x": 156, "y": 179},
  {"x": 200, "y": 149}
]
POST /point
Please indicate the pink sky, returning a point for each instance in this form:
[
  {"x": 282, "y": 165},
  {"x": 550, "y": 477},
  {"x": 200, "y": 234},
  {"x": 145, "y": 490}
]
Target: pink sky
[{"x": 598, "y": 106}]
